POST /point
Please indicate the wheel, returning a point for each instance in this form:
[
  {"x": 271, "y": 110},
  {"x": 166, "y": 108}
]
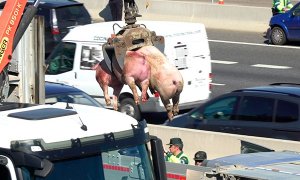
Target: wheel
[
  {"x": 278, "y": 36},
  {"x": 128, "y": 106}
]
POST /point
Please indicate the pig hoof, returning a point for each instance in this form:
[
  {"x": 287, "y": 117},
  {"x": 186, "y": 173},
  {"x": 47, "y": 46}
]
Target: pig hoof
[
  {"x": 144, "y": 99},
  {"x": 108, "y": 102},
  {"x": 170, "y": 116}
]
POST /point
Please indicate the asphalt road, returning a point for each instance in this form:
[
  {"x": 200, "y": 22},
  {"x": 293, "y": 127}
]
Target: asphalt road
[{"x": 245, "y": 59}]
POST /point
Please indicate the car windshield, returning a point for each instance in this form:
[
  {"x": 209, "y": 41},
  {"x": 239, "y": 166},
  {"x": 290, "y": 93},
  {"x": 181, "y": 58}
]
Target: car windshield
[
  {"x": 75, "y": 98},
  {"x": 72, "y": 15}
]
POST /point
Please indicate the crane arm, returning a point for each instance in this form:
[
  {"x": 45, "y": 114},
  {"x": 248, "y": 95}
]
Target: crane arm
[{"x": 10, "y": 19}]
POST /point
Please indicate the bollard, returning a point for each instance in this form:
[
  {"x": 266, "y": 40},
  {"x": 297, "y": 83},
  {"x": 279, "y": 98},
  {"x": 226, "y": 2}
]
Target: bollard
[{"x": 221, "y": 2}]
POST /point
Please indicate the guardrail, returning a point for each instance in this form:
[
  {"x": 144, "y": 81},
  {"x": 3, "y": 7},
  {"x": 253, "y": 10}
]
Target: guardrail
[
  {"x": 216, "y": 144},
  {"x": 232, "y": 17}
]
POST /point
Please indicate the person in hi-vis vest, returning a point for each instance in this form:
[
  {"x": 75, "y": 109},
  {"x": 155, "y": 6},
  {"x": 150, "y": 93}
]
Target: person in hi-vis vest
[{"x": 175, "y": 153}]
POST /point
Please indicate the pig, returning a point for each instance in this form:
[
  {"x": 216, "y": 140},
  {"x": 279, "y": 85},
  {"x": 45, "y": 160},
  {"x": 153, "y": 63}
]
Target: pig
[
  {"x": 136, "y": 70},
  {"x": 165, "y": 78},
  {"x": 105, "y": 79}
]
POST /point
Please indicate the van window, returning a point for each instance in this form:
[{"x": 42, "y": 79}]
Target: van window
[
  {"x": 222, "y": 109},
  {"x": 62, "y": 59},
  {"x": 256, "y": 109},
  {"x": 287, "y": 112},
  {"x": 90, "y": 56}
]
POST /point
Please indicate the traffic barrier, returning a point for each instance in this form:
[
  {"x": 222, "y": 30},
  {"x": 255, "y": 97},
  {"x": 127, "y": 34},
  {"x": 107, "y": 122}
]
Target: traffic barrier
[{"x": 221, "y": 2}]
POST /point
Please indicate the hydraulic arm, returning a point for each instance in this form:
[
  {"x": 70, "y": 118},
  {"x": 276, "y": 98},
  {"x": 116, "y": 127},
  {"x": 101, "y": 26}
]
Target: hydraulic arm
[{"x": 12, "y": 27}]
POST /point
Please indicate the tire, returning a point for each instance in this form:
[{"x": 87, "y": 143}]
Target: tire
[
  {"x": 128, "y": 106},
  {"x": 278, "y": 36}
]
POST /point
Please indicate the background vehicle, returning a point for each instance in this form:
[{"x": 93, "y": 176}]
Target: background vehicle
[
  {"x": 186, "y": 46},
  {"x": 267, "y": 111},
  {"x": 59, "y": 17},
  {"x": 55, "y": 92},
  {"x": 285, "y": 27}
]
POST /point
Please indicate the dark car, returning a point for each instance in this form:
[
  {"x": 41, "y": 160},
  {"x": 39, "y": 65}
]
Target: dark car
[
  {"x": 59, "y": 17},
  {"x": 266, "y": 111},
  {"x": 285, "y": 27},
  {"x": 55, "y": 92}
]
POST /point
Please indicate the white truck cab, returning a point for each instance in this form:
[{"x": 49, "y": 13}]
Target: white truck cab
[
  {"x": 186, "y": 46},
  {"x": 71, "y": 141}
]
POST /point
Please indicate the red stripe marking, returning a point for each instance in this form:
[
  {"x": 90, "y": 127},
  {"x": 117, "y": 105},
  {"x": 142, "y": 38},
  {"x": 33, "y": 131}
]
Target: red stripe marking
[
  {"x": 116, "y": 168},
  {"x": 176, "y": 176}
]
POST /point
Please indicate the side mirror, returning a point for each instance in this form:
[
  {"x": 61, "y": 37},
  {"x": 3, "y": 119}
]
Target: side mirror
[
  {"x": 42, "y": 167},
  {"x": 158, "y": 159}
]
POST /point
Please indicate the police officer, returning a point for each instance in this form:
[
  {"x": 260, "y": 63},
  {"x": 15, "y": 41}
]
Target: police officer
[
  {"x": 175, "y": 153},
  {"x": 281, "y": 6},
  {"x": 199, "y": 157}
]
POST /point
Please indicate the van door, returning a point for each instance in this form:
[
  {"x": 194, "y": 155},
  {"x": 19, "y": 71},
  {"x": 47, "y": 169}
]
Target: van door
[
  {"x": 89, "y": 56},
  {"x": 72, "y": 64}
]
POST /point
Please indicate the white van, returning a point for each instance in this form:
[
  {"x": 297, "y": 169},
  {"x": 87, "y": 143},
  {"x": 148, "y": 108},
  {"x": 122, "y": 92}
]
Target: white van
[{"x": 186, "y": 45}]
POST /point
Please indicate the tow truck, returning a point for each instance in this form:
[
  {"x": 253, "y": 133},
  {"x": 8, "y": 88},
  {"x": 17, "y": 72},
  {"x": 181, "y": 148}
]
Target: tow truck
[{"x": 67, "y": 141}]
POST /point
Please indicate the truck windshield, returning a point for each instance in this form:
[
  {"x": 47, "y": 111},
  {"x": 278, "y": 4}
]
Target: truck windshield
[{"x": 126, "y": 163}]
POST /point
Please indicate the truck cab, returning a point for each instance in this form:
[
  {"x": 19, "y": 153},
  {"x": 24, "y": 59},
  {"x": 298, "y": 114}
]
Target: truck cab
[{"x": 71, "y": 141}]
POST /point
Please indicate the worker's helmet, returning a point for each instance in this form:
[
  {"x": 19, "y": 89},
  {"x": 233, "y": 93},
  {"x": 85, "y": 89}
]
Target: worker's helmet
[{"x": 200, "y": 156}]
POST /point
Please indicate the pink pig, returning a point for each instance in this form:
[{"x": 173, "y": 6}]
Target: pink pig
[
  {"x": 136, "y": 70},
  {"x": 165, "y": 78}
]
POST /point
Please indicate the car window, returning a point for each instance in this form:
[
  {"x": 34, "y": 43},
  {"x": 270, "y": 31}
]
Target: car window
[
  {"x": 296, "y": 11},
  {"x": 90, "y": 56},
  {"x": 72, "y": 15},
  {"x": 75, "y": 98},
  {"x": 287, "y": 112},
  {"x": 222, "y": 109},
  {"x": 62, "y": 59},
  {"x": 256, "y": 109}
]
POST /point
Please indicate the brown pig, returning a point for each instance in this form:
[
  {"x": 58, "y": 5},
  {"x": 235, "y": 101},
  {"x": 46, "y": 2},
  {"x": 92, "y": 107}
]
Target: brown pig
[
  {"x": 105, "y": 79},
  {"x": 165, "y": 78}
]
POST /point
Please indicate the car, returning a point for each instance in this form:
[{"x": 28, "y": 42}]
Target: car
[
  {"x": 270, "y": 111},
  {"x": 285, "y": 27},
  {"x": 59, "y": 17},
  {"x": 56, "y": 92}
]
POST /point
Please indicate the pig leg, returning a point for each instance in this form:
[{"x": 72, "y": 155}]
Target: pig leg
[
  {"x": 168, "y": 107},
  {"x": 145, "y": 85},
  {"x": 105, "y": 92},
  {"x": 116, "y": 93},
  {"x": 131, "y": 83},
  {"x": 175, "y": 101}
]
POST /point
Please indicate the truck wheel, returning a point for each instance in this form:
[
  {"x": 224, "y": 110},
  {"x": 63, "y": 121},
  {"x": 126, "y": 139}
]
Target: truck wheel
[
  {"x": 128, "y": 106},
  {"x": 278, "y": 36}
]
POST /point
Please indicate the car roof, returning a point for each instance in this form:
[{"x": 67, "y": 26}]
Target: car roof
[
  {"x": 50, "y": 4},
  {"x": 281, "y": 88},
  {"x": 57, "y": 88}
]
